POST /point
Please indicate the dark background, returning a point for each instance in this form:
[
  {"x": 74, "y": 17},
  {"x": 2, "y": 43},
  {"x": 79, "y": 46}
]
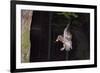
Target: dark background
[{"x": 46, "y": 26}]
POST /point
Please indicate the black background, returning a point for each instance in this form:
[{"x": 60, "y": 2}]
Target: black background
[{"x": 45, "y": 28}]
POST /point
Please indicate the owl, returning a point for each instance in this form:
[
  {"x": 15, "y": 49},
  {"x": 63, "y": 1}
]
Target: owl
[{"x": 66, "y": 39}]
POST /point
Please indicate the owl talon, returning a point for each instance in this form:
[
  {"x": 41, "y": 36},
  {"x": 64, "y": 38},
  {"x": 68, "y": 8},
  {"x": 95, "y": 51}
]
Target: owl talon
[{"x": 62, "y": 49}]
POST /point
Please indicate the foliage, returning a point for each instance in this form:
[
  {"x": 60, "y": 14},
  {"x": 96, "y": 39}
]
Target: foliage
[{"x": 68, "y": 15}]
